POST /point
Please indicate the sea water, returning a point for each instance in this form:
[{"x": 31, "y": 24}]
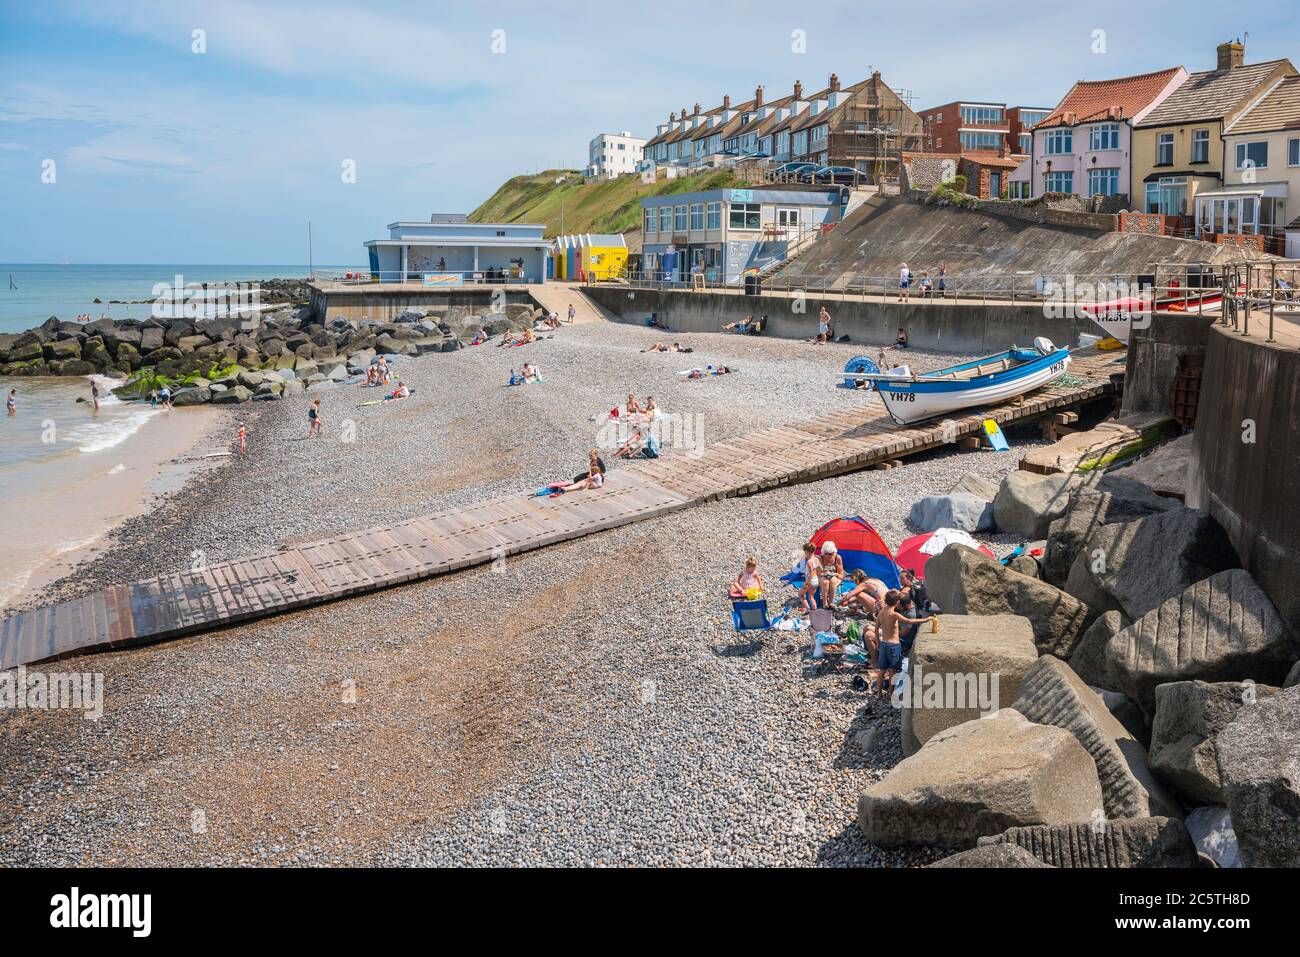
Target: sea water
[
  {"x": 30, "y": 294},
  {"x": 50, "y": 422}
]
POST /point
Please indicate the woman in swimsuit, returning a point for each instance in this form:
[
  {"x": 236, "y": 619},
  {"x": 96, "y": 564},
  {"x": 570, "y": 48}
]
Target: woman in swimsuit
[
  {"x": 832, "y": 572},
  {"x": 633, "y": 408},
  {"x": 649, "y": 409}
]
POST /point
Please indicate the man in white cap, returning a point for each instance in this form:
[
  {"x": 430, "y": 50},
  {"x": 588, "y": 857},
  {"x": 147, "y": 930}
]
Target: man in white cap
[
  {"x": 832, "y": 573},
  {"x": 904, "y": 282}
]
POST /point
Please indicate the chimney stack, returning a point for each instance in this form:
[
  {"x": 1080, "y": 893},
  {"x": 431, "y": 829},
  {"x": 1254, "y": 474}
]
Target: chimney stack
[
  {"x": 726, "y": 101},
  {"x": 1231, "y": 55},
  {"x": 758, "y": 95},
  {"x": 834, "y": 83},
  {"x": 672, "y": 117},
  {"x": 798, "y": 90},
  {"x": 697, "y": 109}
]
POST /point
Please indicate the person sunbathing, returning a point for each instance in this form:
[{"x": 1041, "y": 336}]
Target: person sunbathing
[
  {"x": 633, "y": 407},
  {"x": 480, "y": 337},
  {"x": 595, "y": 479},
  {"x": 649, "y": 409},
  {"x": 632, "y": 447},
  {"x": 742, "y": 326},
  {"x": 657, "y": 347},
  {"x": 530, "y": 373},
  {"x": 863, "y": 596},
  {"x": 401, "y": 392},
  {"x": 747, "y": 579}
]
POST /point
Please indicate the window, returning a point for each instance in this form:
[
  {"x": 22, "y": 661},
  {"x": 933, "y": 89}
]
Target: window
[
  {"x": 1104, "y": 136},
  {"x": 981, "y": 141},
  {"x": 1058, "y": 141},
  {"x": 1167, "y": 197},
  {"x": 1272, "y": 212},
  {"x": 1252, "y": 155},
  {"x": 715, "y": 215},
  {"x": 800, "y": 143},
  {"x": 1103, "y": 181},
  {"x": 1165, "y": 149},
  {"x": 680, "y": 220},
  {"x": 650, "y": 221},
  {"x": 697, "y": 215},
  {"x": 1293, "y": 152},
  {"x": 1018, "y": 189},
  {"x": 665, "y": 219},
  {"x": 622, "y": 146},
  {"x": 1026, "y": 142},
  {"x": 819, "y": 133},
  {"x": 1059, "y": 182},
  {"x": 981, "y": 115},
  {"x": 1200, "y": 146},
  {"x": 745, "y": 216}
]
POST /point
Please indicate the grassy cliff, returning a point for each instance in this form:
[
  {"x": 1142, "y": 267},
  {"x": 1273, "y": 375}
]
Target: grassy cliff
[{"x": 575, "y": 206}]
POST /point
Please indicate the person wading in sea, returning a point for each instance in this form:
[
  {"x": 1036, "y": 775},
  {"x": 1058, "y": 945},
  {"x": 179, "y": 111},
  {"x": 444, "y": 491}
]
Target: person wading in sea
[{"x": 11, "y": 403}]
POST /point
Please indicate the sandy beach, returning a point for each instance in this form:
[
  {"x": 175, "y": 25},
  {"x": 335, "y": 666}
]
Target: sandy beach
[
  {"x": 585, "y": 704},
  {"x": 58, "y": 510}
]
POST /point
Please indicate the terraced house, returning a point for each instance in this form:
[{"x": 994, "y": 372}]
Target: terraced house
[
  {"x": 1178, "y": 147},
  {"x": 1260, "y": 198},
  {"x": 1083, "y": 146},
  {"x": 864, "y": 126}
]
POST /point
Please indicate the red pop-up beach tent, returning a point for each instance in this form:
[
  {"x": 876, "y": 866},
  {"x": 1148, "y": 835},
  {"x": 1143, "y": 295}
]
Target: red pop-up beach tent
[
  {"x": 914, "y": 552},
  {"x": 860, "y": 546}
]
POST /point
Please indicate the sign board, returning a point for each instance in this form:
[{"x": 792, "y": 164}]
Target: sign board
[
  {"x": 443, "y": 279},
  {"x": 742, "y": 195}
]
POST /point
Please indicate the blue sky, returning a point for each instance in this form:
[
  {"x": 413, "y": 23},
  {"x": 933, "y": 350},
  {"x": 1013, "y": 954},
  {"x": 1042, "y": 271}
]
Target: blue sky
[{"x": 162, "y": 154}]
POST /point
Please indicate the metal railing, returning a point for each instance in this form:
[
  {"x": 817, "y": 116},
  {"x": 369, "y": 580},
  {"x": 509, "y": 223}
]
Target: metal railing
[
  {"x": 1013, "y": 288},
  {"x": 365, "y": 276},
  {"x": 1260, "y": 284}
]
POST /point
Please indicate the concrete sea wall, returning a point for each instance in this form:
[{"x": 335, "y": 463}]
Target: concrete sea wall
[
  {"x": 385, "y": 305},
  {"x": 946, "y": 326},
  {"x": 1245, "y": 468}
]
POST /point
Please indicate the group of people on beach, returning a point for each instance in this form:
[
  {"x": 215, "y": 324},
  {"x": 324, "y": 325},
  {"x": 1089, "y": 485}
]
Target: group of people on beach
[
  {"x": 889, "y": 618},
  {"x": 377, "y": 374},
  {"x": 925, "y": 284}
]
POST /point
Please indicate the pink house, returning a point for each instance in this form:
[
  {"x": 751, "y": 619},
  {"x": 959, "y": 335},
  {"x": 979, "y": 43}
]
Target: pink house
[{"x": 1083, "y": 146}]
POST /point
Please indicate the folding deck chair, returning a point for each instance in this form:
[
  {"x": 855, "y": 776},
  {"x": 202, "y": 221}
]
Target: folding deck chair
[{"x": 749, "y": 615}]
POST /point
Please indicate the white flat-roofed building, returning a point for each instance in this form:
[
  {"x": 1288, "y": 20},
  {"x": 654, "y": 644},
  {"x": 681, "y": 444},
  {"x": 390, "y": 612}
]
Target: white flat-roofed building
[
  {"x": 446, "y": 250},
  {"x": 614, "y": 154}
]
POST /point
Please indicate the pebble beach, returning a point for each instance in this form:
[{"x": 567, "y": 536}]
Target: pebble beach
[{"x": 586, "y": 704}]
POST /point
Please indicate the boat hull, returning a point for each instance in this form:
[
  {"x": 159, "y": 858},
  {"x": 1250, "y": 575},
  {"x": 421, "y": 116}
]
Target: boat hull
[{"x": 910, "y": 402}]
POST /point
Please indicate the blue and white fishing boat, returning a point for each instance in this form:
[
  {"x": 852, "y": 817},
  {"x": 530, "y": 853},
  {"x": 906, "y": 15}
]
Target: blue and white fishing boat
[{"x": 910, "y": 398}]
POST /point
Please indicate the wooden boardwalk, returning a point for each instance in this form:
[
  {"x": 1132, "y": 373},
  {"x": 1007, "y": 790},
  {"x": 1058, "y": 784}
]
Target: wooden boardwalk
[{"x": 214, "y": 596}]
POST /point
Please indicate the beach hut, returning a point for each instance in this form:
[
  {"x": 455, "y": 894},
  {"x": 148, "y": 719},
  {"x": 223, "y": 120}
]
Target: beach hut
[{"x": 582, "y": 256}]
